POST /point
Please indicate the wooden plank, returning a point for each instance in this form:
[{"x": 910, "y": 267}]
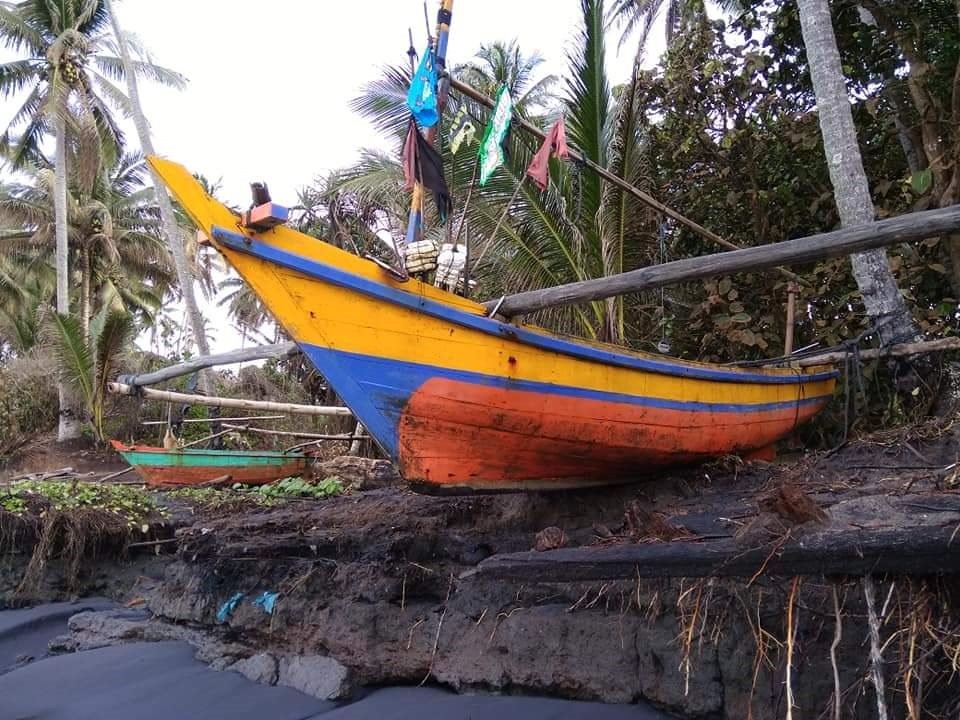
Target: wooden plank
[
  {"x": 262, "y": 405},
  {"x": 914, "y": 551},
  {"x": 261, "y": 352},
  {"x": 905, "y": 228}
]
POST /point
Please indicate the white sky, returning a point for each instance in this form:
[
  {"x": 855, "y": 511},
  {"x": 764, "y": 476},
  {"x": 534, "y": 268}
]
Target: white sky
[{"x": 270, "y": 82}]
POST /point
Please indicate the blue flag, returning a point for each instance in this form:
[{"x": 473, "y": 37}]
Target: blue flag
[{"x": 422, "y": 98}]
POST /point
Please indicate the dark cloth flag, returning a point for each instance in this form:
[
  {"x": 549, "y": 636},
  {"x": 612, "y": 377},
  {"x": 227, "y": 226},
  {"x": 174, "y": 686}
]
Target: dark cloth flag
[
  {"x": 555, "y": 144},
  {"x": 423, "y": 164}
]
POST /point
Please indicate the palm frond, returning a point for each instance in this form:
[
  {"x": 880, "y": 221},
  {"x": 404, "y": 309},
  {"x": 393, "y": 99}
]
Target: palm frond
[
  {"x": 65, "y": 336},
  {"x": 588, "y": 98},
  {"x": 110, "y": 344},
  {"x": 112, "y": 68},
  {"x": 384, "y": 101},
  {"x": 18, "y": 32}
]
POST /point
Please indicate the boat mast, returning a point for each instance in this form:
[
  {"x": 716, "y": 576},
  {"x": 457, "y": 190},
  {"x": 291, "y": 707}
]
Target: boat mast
[{"x": 444, "y": 17}]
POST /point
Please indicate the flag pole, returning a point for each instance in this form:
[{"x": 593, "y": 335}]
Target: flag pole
[{"x": 444, "y": 18}]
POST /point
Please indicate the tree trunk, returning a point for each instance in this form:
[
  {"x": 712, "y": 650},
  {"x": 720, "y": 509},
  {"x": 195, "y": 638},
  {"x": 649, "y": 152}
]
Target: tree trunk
[
  {"x": 881, "y": 296},
  {"x": 167, "y": 216},
  {"x": 69, "y": 425},
  {"x": 85, "y": 300}
]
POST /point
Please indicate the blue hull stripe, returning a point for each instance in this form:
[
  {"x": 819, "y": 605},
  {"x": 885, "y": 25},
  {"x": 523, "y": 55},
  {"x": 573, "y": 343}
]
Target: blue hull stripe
[
  {"x": 377, "y": 390},
  {"x": 340, "y": 278}
]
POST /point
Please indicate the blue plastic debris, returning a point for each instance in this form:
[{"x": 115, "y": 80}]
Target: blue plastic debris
[
  {"x": 266, "y": 601},
  {"x": 226, "y": 610}
]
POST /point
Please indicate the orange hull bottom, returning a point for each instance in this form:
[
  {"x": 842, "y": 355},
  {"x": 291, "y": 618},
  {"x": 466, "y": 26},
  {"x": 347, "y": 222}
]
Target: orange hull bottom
[
  {"x": 192, "y": 476},
  {"x": 455, "y": 434}
]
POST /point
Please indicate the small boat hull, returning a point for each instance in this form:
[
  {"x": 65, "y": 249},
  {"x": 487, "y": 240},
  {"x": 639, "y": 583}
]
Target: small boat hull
[
  {"x": 462, "y": 402},
  {"x": 171, "y": 468}
]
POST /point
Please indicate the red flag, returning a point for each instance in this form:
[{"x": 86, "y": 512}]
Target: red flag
[
  {"x": 555, "y": 144},
  {"x": 409, "y": 160}
]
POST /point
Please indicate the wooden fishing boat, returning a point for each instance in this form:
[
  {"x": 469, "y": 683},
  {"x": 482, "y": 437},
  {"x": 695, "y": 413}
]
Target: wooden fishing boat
[
  {"x": 462, "y": 401},
  {"x": 191, "y": 466}
]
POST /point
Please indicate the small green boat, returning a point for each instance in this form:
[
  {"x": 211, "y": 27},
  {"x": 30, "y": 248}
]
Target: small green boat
[{"x": 161, "y": 467}]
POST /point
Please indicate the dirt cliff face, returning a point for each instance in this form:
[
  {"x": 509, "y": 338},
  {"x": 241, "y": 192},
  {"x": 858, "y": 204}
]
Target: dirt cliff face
[
  {"x": 377, "y": 582},
  {"x": 384, "y": 585}
]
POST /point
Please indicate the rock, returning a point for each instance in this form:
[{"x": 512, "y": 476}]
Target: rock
[
  {"x": 98, "y": 629},
  {"x": 549, "y": 538},
  {"x": 260, "y": 668},
  {"x": 322, "y": 677},
  {"x": 63, "y": 645},
  {"x": 357, "y": 473}
]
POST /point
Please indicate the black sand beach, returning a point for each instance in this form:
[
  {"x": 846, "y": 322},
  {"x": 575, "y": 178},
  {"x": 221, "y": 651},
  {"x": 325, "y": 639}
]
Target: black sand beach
[{"x": 163, "y": 681}]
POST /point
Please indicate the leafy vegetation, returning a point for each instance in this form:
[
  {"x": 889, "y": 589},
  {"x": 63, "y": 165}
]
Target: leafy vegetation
[
  {"x": 89, "y": 365},
  {"x": 299, "y": 488},
  {"x": 131, "y": 504}
]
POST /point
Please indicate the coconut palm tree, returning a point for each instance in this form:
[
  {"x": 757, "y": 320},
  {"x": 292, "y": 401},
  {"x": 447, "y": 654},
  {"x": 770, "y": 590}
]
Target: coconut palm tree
[
  {"x": 167, "y": 215},
  {"x": 67, "y": 72},
  {"x": 113, "y": 240},
  {"x": 871, "y": 270},
  {"x": 640, "y": 16}
]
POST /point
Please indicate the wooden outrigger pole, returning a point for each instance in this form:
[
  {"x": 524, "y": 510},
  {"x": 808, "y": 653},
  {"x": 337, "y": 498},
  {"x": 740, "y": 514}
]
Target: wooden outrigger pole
[
  {"x": 846, "y": 241},
  {"x": 444, "y": 17}
]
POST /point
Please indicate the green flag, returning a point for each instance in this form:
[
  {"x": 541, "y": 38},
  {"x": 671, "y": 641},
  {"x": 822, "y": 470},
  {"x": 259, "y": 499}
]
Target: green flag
[{"x": 491, "y": 149}]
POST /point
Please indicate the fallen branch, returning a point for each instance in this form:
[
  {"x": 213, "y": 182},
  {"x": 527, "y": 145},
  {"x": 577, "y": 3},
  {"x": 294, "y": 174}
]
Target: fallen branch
[
  {"x": 44, "y": 475},
  {"x": 262, "y": 352},
  {"x": 217, "y": 482},
  {"x": 118, "y": 473},
  {"x": 175, "y": 397},
  {"x": 152, "y": 543}
]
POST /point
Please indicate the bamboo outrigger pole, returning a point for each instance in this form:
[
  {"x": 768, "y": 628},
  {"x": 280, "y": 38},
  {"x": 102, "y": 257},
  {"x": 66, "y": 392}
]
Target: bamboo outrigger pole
[
  {"x": 444, "y": 17},
  {"x": 905, "y": 228},
  {"x": 289, "y": 408}
]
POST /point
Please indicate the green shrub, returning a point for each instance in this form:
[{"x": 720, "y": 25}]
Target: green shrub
[{"x": 28, "y": 400}]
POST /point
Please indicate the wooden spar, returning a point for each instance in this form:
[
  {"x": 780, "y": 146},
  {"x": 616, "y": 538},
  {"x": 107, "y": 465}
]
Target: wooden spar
[
  {"x": 902, "y": 350},
  {"x": 217, "y": 420},
  {"x": 915, "y": 551},
  {"x": 620, "y": 183},
  {"x": 282, "y": 433},
  {"x": 444, "y": 18},
  {"x": 289, "y": 408},
  {"x": 261, "y": 352},
  {"x": 905, "y": 228}
]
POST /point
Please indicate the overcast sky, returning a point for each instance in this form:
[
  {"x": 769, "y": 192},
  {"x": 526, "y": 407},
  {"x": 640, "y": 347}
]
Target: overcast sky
[{"x": 270, "y": 83}]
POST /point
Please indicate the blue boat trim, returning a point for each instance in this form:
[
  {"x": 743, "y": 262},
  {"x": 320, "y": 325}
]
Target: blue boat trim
[
  {"x": 326, "y": 273},
  {"x": 377, "y": 390}
]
